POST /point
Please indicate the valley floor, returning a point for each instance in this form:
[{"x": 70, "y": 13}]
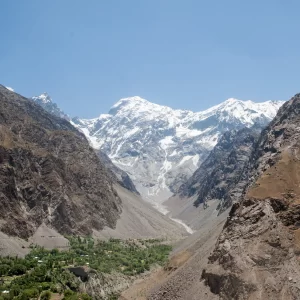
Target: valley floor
[
  {"x": 139, "y": 219},
  {"x": 181, "y": 277}
]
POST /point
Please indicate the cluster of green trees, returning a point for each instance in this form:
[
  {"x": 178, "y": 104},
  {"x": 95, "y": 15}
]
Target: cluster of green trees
[
  {"x": 127, "y": 257},
  {"x": 43, "y": 272}
]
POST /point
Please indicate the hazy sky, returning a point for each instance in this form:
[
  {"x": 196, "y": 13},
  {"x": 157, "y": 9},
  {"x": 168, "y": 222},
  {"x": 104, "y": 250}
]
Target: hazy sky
[{"x": 181, "y": 53}]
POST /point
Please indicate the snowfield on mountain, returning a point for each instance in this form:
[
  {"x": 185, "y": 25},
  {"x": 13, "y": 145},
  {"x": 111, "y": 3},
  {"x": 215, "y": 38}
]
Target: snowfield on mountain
[{"x": 159, "y": 147}]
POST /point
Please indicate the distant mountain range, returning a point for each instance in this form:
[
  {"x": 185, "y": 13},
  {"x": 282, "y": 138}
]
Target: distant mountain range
[{"x": 159, "y": 147}]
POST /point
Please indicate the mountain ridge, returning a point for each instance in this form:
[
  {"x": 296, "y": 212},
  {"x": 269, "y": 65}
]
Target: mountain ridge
[
  {"x": 159, "y": 147},
  {"x": 217, "y": 176},
  {"x": 118, "y": 175}
]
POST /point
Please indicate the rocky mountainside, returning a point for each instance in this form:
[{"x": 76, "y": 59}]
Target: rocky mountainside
[
  {"x": 116, "y": 173},
  {"x": 274, "y": 160},
  {"x": 257, "y": 253},
  {"x": 271, "y": 170},
  {"x": 259, "y": 248},
  {"x": 217, "y": 176},
  {"x": 160, "y": 148},
  {"x": 49, "y": 174}
]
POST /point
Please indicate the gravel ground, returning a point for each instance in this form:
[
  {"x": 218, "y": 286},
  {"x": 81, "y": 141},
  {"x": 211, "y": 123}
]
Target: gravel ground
[
  {"x": 140, "y": 220},
  {"x": 182, "y": 280},
  {"x": 12, "y": 246}
]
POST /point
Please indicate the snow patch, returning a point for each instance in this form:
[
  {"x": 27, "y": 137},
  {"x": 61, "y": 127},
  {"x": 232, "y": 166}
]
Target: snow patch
[
  {"x": 196, "y": 160},
  {"x": 184, "y": 159},
  {"x": 186, "y": 227},
  {"x": 44, "y": 98},
  {"x": 166, "y": 142}
]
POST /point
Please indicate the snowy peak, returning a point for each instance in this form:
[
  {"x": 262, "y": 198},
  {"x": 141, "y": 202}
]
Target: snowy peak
[
  {"x": 239, "y": 113},
  {"x": 137, "y": 106},
  {"x": 43, "y": 98},
  {"x": 45, "y": 101},
  {"x": 135, "y": 100},
  {"x": 160, "y": 147},
  {"x": 128, "y": 103},
  {"x": 231, "y": 110}
]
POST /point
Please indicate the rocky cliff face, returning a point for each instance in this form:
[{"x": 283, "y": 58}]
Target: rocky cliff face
[
  {"x": 160, "y": 148},
  {"x": 117, "y": 175},
  {"x": 273, "y": 165},
  {"x": 49, "y": 174},
  {"x": 271, "y": 170},
  {"x": 257, "y": 255},
  {"x": 115, "y": 172},
  {"x": 218, "y": 175}
]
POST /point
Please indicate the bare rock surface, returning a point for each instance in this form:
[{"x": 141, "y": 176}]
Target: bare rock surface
[
  {"x": 49, "y": 174},
  {"x": 117, "y": 174},
  {"x": 257, "y": 256},
  {"x": 217, "y": 176}
]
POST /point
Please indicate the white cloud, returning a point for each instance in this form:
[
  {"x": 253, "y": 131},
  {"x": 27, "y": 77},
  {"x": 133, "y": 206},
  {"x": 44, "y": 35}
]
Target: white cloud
[{"x": 9, "y": 88}]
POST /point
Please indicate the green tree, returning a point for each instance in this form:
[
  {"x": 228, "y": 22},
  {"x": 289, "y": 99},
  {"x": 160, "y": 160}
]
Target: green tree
[
  {"x": 46, "y": 295},
  {"x": 29, "y": 294},
  {"x": 17, "y": 269},
  {"x": 4, "y": 268}
]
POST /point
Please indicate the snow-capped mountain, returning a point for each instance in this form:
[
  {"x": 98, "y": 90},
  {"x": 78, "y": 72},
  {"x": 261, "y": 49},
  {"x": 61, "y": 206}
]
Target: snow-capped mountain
[
  {"x": 160, "y": 147},
  {"x": 46, "y": 102}
]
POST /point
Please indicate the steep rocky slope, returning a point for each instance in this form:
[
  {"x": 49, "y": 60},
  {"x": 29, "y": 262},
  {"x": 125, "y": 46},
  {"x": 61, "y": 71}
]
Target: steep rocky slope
[
  {"x": 217, "y": 183},
  {"x": 217, "y": 176},
  {"x": 257, "y": 254},
  {"x": 258, "y": 251},
  {"x": 160, "y": 148},
  {"x": 49, "y": 174},
  {"x": 273, "y": 167},
  {"x": 117, "y": 175}
]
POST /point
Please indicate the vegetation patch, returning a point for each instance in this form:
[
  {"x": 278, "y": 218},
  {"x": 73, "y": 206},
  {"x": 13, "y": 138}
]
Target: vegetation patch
[{"x": 43, "y": 273}]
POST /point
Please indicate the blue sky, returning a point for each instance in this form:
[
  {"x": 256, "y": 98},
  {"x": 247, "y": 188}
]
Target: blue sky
[{"x": 184, "y": 54}]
